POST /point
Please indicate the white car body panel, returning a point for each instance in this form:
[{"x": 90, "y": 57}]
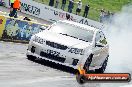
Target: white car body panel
[
  {"x": 68, "y": 41},
  {"x": 99, "y": 53}
]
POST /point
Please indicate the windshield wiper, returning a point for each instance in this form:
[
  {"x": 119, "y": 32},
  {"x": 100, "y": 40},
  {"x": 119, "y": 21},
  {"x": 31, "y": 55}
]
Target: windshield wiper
[
  {"x": 72, "y": 36},
  {"x": 68, "y": 35}
]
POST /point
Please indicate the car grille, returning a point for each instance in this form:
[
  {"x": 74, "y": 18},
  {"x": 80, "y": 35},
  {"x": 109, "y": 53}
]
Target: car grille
[
  {"x": 52, "y": 57},
  {"x": 56, "y": 45}
]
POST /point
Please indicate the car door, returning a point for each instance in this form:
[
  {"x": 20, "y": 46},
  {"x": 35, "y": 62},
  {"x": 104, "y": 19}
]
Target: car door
[{"x": 98, "y": 49}]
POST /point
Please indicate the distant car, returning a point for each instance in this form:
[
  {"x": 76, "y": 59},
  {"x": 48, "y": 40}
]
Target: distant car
[{"x": 71, "y": 44}]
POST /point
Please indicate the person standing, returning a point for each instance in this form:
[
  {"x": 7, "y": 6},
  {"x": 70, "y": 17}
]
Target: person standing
[
  {"x": 102, "y": 15},
  {"x": 11, "y": 8},
  {"x": 16, "y": 7},
  {"x": 70, "y": 6},
  {"x": 12, "y": 2},
  {"x": 79, "y": 7},
  {"x": 63, "y": 4},
  {"x": 51, "y": 3},
  {"x": 86, "y": 11},
  {"x": 107, "y": 17},
  {"x": 57, "y": 3}
]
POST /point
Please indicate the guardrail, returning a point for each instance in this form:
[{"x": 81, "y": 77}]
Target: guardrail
[{"x": 18, "y": 30}]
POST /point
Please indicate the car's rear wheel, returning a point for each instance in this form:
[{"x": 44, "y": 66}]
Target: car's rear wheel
[
  {"x": 87, "y": 63},
  {"x": 102, "y": 69}
]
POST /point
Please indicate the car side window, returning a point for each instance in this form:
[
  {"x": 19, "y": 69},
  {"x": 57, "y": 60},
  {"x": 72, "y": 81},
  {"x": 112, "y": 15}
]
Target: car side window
[
  {"x": 97, "y": 37},
  {"x": 100, "y": 38}
]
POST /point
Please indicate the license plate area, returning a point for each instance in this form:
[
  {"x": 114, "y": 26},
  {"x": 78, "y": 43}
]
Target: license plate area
[
  {"x": 53, "y": 55},
  {"x": 51, "y": 52}
]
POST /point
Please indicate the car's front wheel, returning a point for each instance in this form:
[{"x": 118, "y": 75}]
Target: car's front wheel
[
  {"x": 80, "y": 79},
  {"x": 102, "y": 69},
  {"x": 87, "y": 63}
]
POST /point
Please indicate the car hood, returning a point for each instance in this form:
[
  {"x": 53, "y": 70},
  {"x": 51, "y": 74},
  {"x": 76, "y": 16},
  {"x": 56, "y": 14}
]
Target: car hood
[{"x": 63, "y": 39}]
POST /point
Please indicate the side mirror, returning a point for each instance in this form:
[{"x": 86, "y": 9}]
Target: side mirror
[{"x": 99, "y": 44}]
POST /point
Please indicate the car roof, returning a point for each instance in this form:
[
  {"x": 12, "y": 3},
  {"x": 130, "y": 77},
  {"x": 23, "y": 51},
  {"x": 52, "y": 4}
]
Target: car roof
[{"x": 87, "y": 27}]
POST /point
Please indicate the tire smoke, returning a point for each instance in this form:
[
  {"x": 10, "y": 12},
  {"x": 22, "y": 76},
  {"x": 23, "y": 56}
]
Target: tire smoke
[{"x": 119, "y": 34}]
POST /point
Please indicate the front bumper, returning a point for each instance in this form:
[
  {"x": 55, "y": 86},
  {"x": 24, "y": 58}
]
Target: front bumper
[
  {"x": 59, "y": 56},
  {"x": 64, "y": 58},
  {"x": 29, "y": 53}
]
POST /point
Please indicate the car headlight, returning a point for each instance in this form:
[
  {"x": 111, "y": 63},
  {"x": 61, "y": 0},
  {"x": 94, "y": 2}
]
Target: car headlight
[
  {"x": 76, "y": 51},
  {"x": 32, "y": 39}
]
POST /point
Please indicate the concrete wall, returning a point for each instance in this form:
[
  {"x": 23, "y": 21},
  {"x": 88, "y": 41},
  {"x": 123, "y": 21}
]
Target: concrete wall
[{"x": 18, "y": 30}]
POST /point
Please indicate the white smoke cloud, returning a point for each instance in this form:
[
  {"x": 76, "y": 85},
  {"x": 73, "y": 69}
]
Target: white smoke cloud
[{"x": 119, "y": 34}]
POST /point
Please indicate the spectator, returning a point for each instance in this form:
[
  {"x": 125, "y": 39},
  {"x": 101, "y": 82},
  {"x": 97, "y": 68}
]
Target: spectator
[
  {"x": 107, "y": 16},
  {"x": 86, "y": 11},
  {"x": 12, "y": 2},
  {"x": 16, "y": 7},
  {"x": 11, "y": 8},
  {"x": 111, "y": 16},
  {"x": 51, "y": 3},
  {"x": 63, "y": 4},
  {"x": 70, "y": 6},
  {"x": 102, "y": 15},
  {"x": 79, "y": 7},
  {"x": 57, "y": 3}
]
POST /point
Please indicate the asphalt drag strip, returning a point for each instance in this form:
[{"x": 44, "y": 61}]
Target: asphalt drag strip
[{"x": 18, "y": 71}]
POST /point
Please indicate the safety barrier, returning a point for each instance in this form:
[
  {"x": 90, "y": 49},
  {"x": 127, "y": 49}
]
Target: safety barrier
[
  {"x": 18, "y": 30},
  {"x": 52, "y": 14}
]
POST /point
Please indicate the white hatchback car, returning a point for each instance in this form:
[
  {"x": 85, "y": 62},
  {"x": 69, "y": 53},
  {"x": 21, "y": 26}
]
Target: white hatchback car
[{"x": 71, "y": 44}]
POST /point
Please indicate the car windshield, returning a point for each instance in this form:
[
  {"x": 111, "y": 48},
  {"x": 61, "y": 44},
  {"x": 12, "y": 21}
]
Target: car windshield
[{"x": 72, "y": 31}]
